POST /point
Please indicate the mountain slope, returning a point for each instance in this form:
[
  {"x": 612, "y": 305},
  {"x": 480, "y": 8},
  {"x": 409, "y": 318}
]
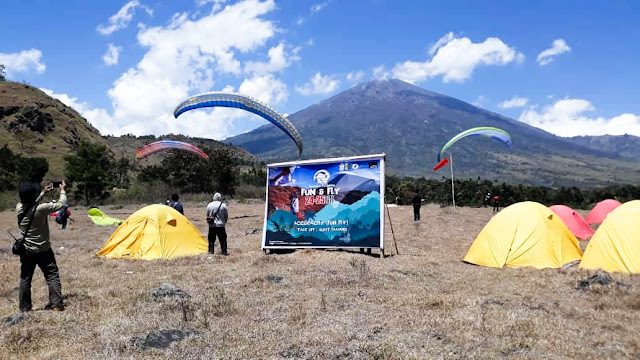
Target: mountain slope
[
  {"x": 410, "y": 124},
  {"x": 624, "y": 146},
  {"x": 34, "y": 124}
]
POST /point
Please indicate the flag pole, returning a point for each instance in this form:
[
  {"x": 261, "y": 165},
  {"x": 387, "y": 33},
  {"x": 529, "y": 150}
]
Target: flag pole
[{"x": 453, "y": 192}]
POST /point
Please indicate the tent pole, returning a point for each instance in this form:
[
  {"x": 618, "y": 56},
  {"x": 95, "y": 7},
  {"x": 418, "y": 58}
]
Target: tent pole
[
  {"x": 395, "y": 243},
  {"x": 453, "y": 191}
]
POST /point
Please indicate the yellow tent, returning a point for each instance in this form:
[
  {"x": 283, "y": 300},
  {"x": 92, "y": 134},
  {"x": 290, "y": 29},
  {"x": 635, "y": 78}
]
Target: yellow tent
[
  {"x": 524, "y": 234},
  {"x": 615, "y": 246},
  {"x": 154, "y": 232}
]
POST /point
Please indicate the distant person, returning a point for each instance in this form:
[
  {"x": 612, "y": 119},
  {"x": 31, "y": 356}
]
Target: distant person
[
  {"x": 217, "y": 217},
  {"x": 63, "y": 215},
  {"x": 175, "y": 203},
  {"x": 496, "y": 203},
  {"x": 487, "y": 199},
  {"x": 397, "y": 200},
  {"x": 32, "y": 221},
  {"x": 416, "y": 200}
]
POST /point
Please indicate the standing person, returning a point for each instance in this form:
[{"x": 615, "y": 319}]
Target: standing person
[
  {"x": 174, "y": 203},
  {"x": 62, "y": 216},
  {"x": 496, "y": 203},
  {"x": 487, "y": 198},
  {"x": 217, "y": 217},
  {"x": 32, "y": 219},
  {"x": 416, "y": 200}
]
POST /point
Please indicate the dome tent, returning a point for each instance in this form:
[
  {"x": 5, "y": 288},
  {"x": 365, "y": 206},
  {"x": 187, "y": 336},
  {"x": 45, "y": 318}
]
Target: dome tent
[
  {"x": 601, "y": 210},
  {"x": 576, "y": 224},
  {"x": 155, "y": 232},
  {"x": 615, "y": 246},
  {"x": 524, "y": 234}
]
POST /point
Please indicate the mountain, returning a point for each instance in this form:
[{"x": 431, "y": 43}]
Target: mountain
[
  {"x": 624, "y": 146},
  {"x": 410, "y": 124},
  {"x": 35, "y": 124}
]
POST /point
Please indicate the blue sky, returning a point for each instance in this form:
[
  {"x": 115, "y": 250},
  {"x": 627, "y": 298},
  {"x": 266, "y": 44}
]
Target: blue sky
[{"x": 570, "y": 68}]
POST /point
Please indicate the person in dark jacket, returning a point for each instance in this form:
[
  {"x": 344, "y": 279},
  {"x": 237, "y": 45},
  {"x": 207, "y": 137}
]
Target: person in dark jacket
[
  {"x": 174, "y": 203},
  {"x": 34, "y": 228},
  {"x": 416, "y": 200},
  {"x": 496, "y": 203}
]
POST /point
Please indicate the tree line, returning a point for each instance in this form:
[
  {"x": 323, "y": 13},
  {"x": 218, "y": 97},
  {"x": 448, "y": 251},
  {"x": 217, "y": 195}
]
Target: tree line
[
  {"x": 471, "y": 192},
  {"x": 94, "y": 174}
]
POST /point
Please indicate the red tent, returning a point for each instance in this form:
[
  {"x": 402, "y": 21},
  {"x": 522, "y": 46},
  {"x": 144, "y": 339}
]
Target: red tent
[
  {"x": 601, "y": 210},
  {"x": 576, "y": 224}
]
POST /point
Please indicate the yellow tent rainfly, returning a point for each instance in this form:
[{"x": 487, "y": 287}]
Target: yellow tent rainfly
[
  {"x": 155, "y": 232},
  {"x": 615, "y": 246},
  {"x": 524, "y": 234}
]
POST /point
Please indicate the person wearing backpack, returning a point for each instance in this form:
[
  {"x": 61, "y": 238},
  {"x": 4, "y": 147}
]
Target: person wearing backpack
[
  {"x": 36, "y": 248},
  {"x": 63, "y": 215},
  {"x": 174, "y": 203},
  {"x": 217, "y": 217}
]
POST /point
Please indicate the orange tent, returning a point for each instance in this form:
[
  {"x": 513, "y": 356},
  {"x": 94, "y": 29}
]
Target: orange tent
[
  {"x": 601, "y": 210},
  {"x": 576, "y": 224}
]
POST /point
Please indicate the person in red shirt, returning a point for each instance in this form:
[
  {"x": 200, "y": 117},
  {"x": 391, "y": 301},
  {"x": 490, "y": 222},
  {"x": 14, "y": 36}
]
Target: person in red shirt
[{"x": 496, "y": 203}]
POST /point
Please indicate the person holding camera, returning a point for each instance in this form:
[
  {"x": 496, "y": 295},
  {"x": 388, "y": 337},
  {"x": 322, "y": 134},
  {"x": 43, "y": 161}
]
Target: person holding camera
[
  {"x": 217, "y": 217},
  {"x": 36, "y": 251}
]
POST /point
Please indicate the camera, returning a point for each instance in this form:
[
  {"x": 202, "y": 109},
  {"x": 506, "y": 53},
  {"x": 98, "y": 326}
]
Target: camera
[{"x": 56, "y": 184}]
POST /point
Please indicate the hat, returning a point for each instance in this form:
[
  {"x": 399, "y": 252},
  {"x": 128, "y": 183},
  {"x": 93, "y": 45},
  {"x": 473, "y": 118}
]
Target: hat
[{"x": 28, "y": 192}]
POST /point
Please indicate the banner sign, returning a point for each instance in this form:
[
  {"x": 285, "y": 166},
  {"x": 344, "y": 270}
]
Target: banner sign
[{"x": 325, "y": 203}]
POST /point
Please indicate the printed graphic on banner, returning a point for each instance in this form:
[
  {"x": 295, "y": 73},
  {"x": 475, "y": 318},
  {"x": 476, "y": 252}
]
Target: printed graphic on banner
[{"x": 334, "y": 204}]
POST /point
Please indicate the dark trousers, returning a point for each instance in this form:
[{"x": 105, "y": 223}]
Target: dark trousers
[
  {"x": 416, "y": 212},
  {"x": 221, "y": 233},
  {"x": 47, "y": 263}
]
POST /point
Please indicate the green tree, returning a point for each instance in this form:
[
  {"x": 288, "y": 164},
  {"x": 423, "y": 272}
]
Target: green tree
[
  {"x": 14, "y": 169},
  {"x": 89, "y": 171},
  {"x": 224, "y": 170},
  {"x": 2, "y": 73},
  {"x": 120, "y": 172}
]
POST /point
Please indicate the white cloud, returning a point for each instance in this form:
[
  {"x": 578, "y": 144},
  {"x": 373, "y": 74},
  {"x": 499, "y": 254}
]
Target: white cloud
[
  {"x": 456, "y": 58},
  {"x": 279, "y": 60},
  {"x": 310, "y": 42},
  {"x": 479, "y": 101},
  {"x": 22, "y": 62},
  {"x": 122, "y": 18},
  {"x": 266, "y": 88},
  {"x": 314, "y": 9},
  {"x": 93, "y": 115},
  {"x": 319, "y": 6},
  {"x": 319, "y": 84},
  {"x": 514, "y": 102},
  {"x": 112, "y": 55},
  {"x": 355, "y": 76},
  {"x": 567, "y": 117},
  {"x": 380, "y": 73},
  {"x": 182, "y": 58},
  {"x": 558, "y": 47}
]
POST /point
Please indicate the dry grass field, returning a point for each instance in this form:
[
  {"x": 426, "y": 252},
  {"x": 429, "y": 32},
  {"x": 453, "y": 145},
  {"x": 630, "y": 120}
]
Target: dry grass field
[{"x": 312, "y": 304}]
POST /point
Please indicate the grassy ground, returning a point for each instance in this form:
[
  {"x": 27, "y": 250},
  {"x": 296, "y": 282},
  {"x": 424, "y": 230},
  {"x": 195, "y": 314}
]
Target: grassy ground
[{"x": 424, "y": 303}]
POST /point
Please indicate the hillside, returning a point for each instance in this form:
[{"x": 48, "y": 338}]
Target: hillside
[
  {"x": 35, "y": 124},
  {"x": 410, "y": 124},
  {"x": 624, "y": 146}
]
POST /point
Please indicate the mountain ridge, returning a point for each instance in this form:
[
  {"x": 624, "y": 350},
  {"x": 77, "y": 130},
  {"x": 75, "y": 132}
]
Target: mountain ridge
[{"x": 410, "y": 124}]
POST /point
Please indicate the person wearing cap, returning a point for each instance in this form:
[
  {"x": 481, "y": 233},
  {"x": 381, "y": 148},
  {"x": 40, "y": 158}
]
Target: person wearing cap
[
  {"x": 217, "y": 217},
  {"x": 33, "y": 219}
]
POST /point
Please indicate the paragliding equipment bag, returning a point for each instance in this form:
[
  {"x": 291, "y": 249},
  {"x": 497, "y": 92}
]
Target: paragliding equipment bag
[
  {"x": 211, "y": 220},
  {"x": 18, "y": 245}
]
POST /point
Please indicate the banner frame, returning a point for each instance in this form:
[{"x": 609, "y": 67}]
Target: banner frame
[{"x": 382, "y": 157}]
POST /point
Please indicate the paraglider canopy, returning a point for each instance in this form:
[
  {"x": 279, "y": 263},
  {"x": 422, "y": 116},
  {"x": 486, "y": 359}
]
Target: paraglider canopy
[
  {"x": 162, "y": 145},
  {"x": 244, "y": 102},
  {"x": 491, "y": 132}
]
